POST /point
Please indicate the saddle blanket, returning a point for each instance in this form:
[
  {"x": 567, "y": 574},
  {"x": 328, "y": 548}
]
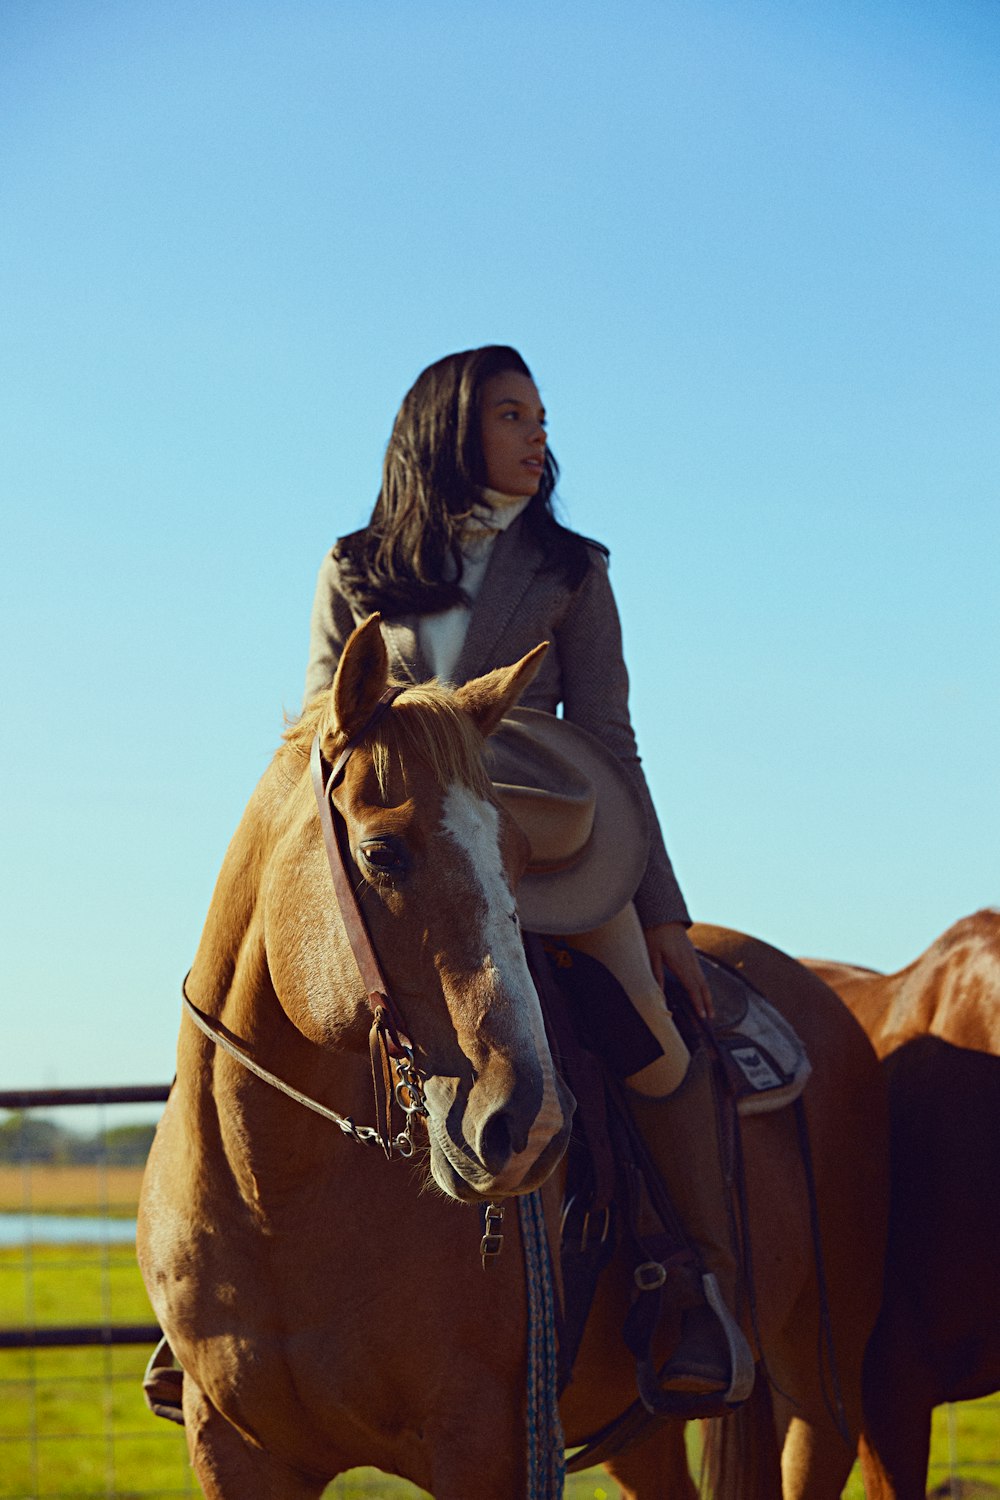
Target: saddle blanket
[{"x": 764, "y": 1056}]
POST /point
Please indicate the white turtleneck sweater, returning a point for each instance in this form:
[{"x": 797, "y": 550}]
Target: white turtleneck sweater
[{"x": 442, "y": 635}]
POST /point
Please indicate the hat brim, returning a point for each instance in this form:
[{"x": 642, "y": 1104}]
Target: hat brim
[{"x": 606, "y": 874}]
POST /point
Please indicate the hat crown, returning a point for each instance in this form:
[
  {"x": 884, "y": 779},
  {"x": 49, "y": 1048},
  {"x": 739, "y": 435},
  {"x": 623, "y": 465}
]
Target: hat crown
[{"x": 585, "y": 824}]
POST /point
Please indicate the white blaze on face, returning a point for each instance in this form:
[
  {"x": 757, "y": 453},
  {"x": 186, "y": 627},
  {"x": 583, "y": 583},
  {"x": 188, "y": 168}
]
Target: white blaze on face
[{"x": 474, "y": 824}]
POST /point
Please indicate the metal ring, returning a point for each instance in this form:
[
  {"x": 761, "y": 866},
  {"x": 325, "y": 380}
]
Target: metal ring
[
  {"x": 649, "y": 1276},
  {"x": 409, "y": 1098}
]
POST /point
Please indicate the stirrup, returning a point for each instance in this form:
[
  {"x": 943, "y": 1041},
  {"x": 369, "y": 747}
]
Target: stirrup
[
  {"x": 715, "y": 1399},
  {"x": 163, "y": 1382},
  {"x": 725, "y": 1372},
  {"x": 741, "y": 1364}
]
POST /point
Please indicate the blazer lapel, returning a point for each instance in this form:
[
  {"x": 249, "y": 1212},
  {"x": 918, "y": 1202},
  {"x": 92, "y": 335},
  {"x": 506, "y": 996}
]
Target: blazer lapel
[{"x": 514, "y": 562}]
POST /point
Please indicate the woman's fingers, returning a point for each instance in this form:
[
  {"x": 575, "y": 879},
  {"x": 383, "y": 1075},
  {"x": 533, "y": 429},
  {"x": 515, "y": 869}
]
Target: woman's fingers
[{"x": 670, "y": 947}]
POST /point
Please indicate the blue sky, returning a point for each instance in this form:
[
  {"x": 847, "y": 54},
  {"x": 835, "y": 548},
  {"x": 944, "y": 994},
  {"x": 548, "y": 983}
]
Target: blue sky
[{"x": 750, "y": 252}]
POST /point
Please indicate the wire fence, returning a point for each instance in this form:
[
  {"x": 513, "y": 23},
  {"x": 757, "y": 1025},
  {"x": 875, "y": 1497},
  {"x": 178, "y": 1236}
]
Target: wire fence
[{"x": 76, "y": 1329}]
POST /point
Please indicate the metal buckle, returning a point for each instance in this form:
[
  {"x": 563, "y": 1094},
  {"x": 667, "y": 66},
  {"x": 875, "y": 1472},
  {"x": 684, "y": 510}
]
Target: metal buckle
[
  {"x": 586, "y": 1235},
  {"x": 492, "y": 1241}
]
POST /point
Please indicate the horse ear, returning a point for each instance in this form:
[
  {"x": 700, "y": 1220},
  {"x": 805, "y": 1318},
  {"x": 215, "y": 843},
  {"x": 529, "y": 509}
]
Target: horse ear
[
  {"x": 361, "y": 677},
  {"x": 488, "y": 698}
]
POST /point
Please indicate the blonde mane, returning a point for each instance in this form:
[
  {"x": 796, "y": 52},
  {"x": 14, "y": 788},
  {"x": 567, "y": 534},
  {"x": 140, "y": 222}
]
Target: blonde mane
[{"x": 424, "y": 722}]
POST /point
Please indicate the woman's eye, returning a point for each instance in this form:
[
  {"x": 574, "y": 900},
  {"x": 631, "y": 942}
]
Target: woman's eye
[{"x": 383, "y": 857}]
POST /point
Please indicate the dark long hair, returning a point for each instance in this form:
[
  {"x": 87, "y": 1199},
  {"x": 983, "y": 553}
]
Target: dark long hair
[{"x": 408, "y": 559}]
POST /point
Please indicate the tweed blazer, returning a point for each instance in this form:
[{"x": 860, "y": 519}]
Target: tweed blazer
[{"x": 520, "y": 604}]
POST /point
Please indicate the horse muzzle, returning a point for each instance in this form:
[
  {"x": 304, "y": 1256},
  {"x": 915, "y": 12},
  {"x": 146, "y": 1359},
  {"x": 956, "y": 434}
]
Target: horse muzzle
[{"x": 487, "y": 1143}]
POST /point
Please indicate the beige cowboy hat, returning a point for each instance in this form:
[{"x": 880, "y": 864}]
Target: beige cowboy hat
[{"x": 584, "y": 820}]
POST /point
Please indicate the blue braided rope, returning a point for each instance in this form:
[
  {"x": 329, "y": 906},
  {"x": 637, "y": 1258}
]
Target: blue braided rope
[{"x": 546, "y": 1455}]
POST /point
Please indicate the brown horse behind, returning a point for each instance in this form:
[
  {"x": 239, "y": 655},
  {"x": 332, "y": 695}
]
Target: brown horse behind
[
  {"x": 936, "y": 1025},
  {"x": 327, "y": 1303}
]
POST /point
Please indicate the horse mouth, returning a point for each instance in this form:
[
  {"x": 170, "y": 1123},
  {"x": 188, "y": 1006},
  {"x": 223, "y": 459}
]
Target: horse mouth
[
  {"x": 466, "y": 1188},
  {"x": 460, "y": 1172}
]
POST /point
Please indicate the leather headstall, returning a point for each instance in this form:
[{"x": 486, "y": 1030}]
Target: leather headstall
[{"x": 388, "y": 1038}]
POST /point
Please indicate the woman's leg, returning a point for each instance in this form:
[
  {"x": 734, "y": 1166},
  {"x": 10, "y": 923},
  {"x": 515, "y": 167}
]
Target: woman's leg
[
  {"x": 672, "y": 1102},
  {"x": 620, "y": 946}
]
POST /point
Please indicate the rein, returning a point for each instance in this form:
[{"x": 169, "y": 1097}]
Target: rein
[
  {"x": 368, "y": 1135},
  {"x": 388, "y": 1043}
]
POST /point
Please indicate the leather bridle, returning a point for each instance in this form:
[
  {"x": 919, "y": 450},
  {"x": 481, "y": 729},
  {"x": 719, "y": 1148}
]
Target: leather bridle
[
  {"x": 389, "y": 1045},
  {"x": 324, "y": 778}
]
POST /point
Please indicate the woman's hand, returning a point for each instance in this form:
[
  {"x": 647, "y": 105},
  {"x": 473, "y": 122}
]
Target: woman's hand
[{"x": 671, "y": 948}]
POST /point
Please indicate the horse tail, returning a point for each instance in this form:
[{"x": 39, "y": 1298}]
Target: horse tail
[{"x": 740, "y": 1455}]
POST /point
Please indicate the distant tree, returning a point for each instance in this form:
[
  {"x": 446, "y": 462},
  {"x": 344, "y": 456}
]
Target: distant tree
[
  {"x": 25, "y": 1137},
  {"x": 128, "y": 1145}
]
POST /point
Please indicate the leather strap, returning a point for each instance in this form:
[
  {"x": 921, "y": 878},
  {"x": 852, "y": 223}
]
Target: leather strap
[
  {"x": 214, "y": 1030},
  {"x": 324, "y": 779}
]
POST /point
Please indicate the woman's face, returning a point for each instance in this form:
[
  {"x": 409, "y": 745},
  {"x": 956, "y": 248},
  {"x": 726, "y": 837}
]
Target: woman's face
[{"x": 512, "y": 427}]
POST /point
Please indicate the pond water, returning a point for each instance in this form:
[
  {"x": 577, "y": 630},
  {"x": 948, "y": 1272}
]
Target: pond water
[{"x": 63, "y": 1229}]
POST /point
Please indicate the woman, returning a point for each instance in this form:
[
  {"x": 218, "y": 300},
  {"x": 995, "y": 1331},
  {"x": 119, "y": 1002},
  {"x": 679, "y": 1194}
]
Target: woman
[{"x": 470, "y": 570}]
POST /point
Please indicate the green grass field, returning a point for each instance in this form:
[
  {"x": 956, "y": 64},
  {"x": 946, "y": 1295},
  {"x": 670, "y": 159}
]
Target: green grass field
[{"x": 73, "y": 1421}]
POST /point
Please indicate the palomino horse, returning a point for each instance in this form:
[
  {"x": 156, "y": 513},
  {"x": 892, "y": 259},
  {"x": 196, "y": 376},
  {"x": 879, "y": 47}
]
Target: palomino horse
[
  {"x": 328, "y": 1309},
  {"x": 936, "y": 1025}
]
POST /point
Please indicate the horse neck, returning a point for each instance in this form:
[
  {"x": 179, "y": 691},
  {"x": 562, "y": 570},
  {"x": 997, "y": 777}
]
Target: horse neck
[
  {"x": 260, "y": 1132},
  {"x": 233, "y": 924}
]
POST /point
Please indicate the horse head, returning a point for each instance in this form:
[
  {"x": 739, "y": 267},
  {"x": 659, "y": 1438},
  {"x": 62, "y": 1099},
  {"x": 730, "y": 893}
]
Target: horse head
[{"x": 435, "y": 862}]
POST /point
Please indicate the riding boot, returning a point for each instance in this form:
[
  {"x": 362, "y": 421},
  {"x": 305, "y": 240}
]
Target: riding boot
[{"x": 681, "y": 1133}]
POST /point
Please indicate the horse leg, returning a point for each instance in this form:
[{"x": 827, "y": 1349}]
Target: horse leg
[
  {"x": 655, "y": 1468},
  {"x": 477, "y": 1445},
  {"x": 229, "y": 1467},
  {"x": 818, "y": 1444},
  {"x": 815, "y": 1458},
  {"x": 496, "y": 1475},
  {"x": 894, "y": 1464},
  {"x": 900, "y": 1393}
]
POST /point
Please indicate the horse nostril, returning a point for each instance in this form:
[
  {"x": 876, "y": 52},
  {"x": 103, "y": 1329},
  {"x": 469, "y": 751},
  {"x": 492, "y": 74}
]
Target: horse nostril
[{"x": 497, "y": 1144}]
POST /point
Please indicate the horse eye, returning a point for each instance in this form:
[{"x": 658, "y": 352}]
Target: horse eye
[{"x": 383, "y": 856}]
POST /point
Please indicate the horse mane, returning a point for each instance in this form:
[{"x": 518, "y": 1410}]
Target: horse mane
[{"x": 424, "y": 722}]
